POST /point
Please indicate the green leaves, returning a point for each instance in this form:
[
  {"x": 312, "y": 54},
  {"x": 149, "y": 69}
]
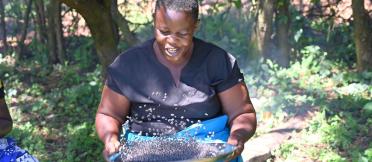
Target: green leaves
[
  {"x": 237, "y": 3},
  {"x": 342, "y": 95},
  {"x": 367, "y": 109},
  {"x": 83, "y": 143}
]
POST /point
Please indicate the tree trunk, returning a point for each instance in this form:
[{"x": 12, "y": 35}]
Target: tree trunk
[
  {"x": 104, "y": 33},
  {"x": 21, "y": 42},
  {"x": 263, "y": 27},
  {"x": 55, "y": 37},
  {"x": 362, "y": 35},
  {"x": 3, "y": 26},
  {"x": 282, "y": 22},
  {"x": 97, "y": 14},
  {"x": 41, "y": 34},
  {"x": 59, "y": 34},
  {"x": 52, "y": 44}
]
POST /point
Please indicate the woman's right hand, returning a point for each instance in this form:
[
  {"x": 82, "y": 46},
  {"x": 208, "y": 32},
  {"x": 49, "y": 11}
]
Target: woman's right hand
[
  {"x": 111, "y": 146},
  {"x": 111, "y": 114}
]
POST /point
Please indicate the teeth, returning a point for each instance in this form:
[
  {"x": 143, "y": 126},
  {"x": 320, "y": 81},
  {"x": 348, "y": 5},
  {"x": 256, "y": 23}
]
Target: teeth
[{"x": 172, "y": 51}]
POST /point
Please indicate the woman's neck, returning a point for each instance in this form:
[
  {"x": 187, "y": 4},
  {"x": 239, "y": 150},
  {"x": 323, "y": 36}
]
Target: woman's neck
[{"x": 171, "y": 63}]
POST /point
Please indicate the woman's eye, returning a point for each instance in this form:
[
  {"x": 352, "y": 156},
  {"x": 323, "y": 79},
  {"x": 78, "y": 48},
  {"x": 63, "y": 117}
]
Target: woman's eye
[
  {"x": 183, "y": 34},
  {"x": 165, "y": 32}
]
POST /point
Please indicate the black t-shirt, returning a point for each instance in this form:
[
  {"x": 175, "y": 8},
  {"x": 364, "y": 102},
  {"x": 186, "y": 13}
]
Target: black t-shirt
[{"x": 158, "y": 106}]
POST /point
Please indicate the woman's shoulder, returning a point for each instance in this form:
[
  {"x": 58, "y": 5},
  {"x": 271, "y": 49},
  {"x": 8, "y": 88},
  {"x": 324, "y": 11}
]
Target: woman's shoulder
[
  {"x": 213, "y": 52},
  {"x": 134, "y": 54},
  {"x": 209, "y": 48},
  {"x": 138, "y": 50}
]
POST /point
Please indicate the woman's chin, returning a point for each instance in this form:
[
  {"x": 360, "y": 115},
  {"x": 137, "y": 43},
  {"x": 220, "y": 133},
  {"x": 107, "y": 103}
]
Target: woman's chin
[
  {"x": 172, "y": 56},
  {"x": 174, "y": 59}
]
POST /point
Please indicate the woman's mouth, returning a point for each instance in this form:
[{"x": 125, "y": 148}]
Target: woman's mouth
[{"x": 171, "y": 51}]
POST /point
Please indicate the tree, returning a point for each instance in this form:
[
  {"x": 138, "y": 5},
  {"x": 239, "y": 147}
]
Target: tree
[
  {"x": 40, "y": 21},
  {"x": 362, "y": 35},
  {"x": 3, "y": 25},
  {"x": 122, "y": 23},
  {"x": 55, "y": 36},
  {"x": 282, "y": 27},
  {"x": 263, "y": 27},
  {"x": 104, "y": 21},
  {"x": 270, "y": 14},
  {"x": 21, "y": 42}
]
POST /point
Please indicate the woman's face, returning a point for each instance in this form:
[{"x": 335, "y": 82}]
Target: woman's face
[{"x": 174, "y": 31}]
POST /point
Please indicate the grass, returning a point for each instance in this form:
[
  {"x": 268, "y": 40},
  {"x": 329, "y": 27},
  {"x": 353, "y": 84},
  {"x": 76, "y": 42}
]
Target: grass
[
  {"x": 54, "y": 119},
  {"x": 340, "y": 131}
]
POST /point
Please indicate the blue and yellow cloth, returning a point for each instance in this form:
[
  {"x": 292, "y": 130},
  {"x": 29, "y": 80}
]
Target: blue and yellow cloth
[{"x": 10, "y": 152}]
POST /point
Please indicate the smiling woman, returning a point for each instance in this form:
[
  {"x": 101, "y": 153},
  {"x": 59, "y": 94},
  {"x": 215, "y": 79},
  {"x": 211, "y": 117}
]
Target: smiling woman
[
  {"x": 174, "y": 32},
  {"x": 174, "y": 82}
]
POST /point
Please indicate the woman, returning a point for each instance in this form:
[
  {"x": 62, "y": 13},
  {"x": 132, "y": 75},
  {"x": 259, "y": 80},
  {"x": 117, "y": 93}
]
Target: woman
[
  {"x": 6, "y": 122},
  {"x": 173, "y": 81},
  {"x": 9, "y": 151}
]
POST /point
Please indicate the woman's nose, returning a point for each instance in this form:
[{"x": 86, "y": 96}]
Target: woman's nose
[{"x": 172, "y": 39}]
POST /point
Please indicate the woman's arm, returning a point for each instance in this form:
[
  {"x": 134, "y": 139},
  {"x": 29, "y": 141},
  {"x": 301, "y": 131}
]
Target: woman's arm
[
  {"x": 110, "y": 116},
  {"x": 6, "y": 122},
  {"x": 242, "y": 116}
]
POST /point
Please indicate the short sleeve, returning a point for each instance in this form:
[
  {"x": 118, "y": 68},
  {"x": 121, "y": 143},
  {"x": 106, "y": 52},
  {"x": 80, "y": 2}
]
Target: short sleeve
[
  {"x": 116, "y": 77},
  {"x": 111, "y": 82},
  {"x": 124, "y": 75},
  {"x": 227, "y": 73}
]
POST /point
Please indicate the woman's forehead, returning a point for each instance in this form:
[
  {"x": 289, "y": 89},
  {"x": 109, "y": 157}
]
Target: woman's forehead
[{"x": 169, "y": 15}]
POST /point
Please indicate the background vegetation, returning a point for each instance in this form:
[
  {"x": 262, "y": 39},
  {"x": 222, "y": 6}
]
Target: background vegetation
[{"x": 297, "y": 55}]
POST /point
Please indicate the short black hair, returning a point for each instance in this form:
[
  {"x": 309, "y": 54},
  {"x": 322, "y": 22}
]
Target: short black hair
[{"x": 180, "y": 5}]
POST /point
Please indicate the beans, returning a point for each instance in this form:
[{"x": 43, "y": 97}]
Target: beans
[{"x": 167, "y": 149}]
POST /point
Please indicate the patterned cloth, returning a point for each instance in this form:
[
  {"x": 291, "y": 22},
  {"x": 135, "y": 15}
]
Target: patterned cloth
[{"x": 10, "y": 152}]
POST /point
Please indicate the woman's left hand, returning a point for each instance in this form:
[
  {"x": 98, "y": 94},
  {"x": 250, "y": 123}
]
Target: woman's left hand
[{"x": 239, "y": 144}]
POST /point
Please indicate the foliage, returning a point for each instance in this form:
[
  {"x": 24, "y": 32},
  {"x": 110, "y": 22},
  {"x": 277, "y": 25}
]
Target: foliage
[
  {"x": 41, "y": 50},
  {"x": 83, "y": 143},
  {"x": 339, "y": 132},
  {"x": 54, "y": 105},
  {"x": 229, "y": 29},
  {"x": 341, "y": 128},
  {"x": 84, "y": 55},
  {"x": 59, "y": 113}
]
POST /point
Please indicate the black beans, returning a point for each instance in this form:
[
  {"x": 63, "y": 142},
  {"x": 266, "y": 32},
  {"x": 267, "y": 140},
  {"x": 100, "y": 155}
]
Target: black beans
[{"x": 168, "y": 149}]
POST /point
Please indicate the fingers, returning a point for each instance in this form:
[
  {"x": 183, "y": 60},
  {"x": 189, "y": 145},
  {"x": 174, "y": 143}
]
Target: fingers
[
  {"x": 111, "y": 148},
  {"x": 233, "y": 141},
  {"x": 239, "y": 149}
]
